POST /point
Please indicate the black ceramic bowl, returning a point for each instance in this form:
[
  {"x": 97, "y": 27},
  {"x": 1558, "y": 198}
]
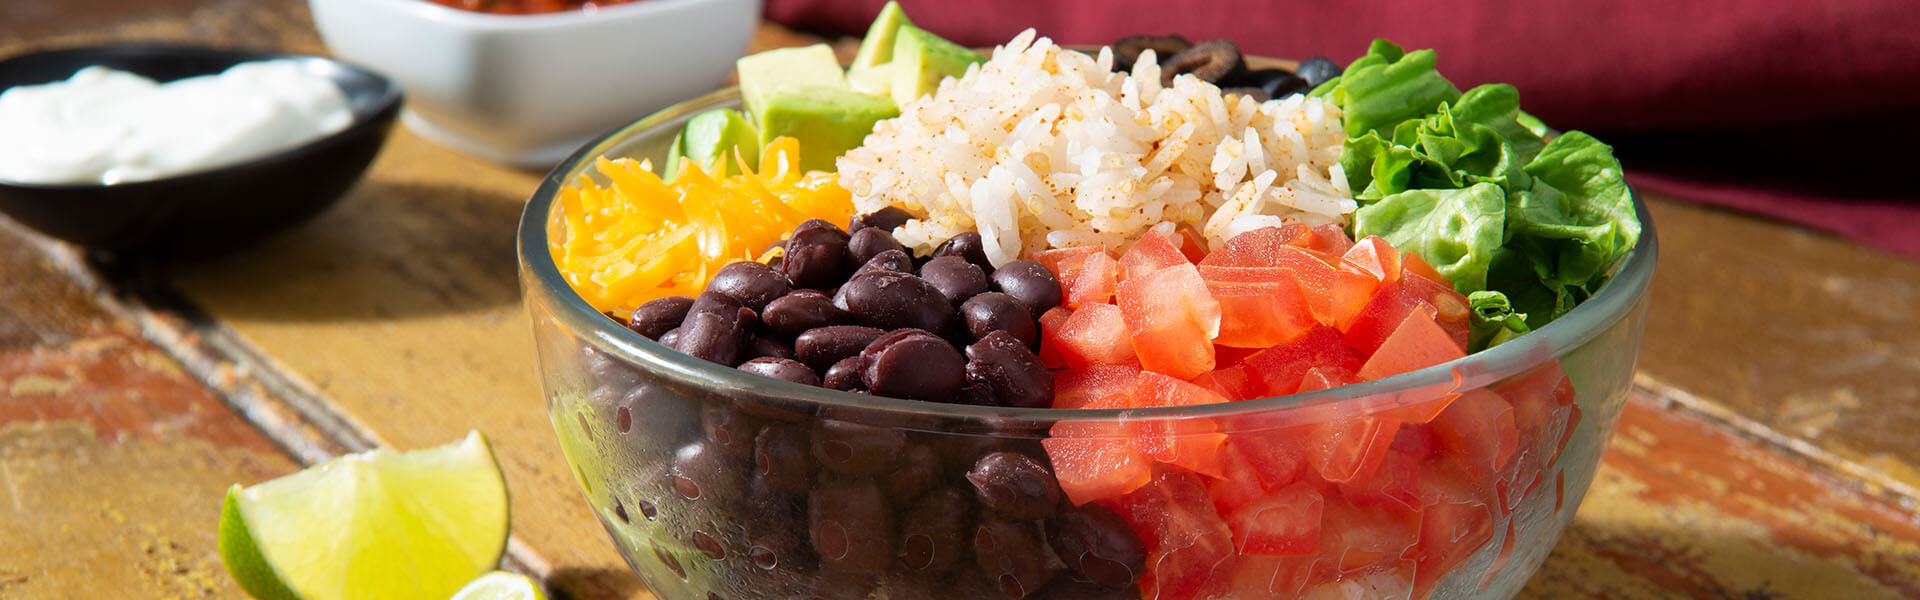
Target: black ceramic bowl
[{"x": 210, "y": 211}]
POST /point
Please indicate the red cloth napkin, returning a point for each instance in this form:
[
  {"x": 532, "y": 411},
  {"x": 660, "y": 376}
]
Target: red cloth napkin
[{"x": 1623, "y": 68}]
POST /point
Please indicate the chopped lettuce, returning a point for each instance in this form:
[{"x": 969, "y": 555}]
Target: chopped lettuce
[
  {"x": 1493, "y": 319},
  {"x": 1474, "y": 186}
]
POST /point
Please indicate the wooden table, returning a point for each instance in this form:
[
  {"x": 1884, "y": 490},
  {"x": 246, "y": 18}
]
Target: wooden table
[{"x": 1767, "y": 451}]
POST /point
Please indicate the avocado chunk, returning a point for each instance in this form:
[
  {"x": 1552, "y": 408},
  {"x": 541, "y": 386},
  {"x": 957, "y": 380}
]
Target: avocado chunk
[
  {"x": 827, "y": 120},
  {"x": 763, "y": 74},
  {"x": 876, "y": 50},
  {"x": 711, "y": 138},
  {"x": 921, "y": 60}
]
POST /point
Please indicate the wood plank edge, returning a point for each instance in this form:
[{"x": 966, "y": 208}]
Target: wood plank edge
[
  {"x": 1866, "y": 479},
  {"x": 289, "y": 410}
]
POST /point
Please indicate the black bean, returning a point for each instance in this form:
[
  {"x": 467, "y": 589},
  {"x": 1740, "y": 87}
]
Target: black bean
[
  {"x": 913, "y": 364},
  {"x": 976, "y": 395},
  {"x": 728, "y": 428},
  {"x": 716, "y": 336},
  {"x": 904, "y": 584},
  {"x": 1014, "y": 484},
  {"x": 776, "y": 525},
  {"x": 702, "y": 473},
  {"x": 1003, "y": 364},
  {"x": 784, "y": 369},
  {"x": 956, "y": 278},
  {"x": 714, "y": 303},
  {"x": 816, "y": 255},
  {"x": 820, "y": 347},
  {"x": 659, "y": 315},
  {"x": 870, "y": 241},
  {"x": 845, "y": 375},
  {"x": 890, "y": 300},
  {"x": 933, "y": 531},
  {"x": 919, "y": 470},
  {"x": 671, "y": 338},
  {"x": 850, "y": 525},
  {"x": 995, "y": 311},
  {"x": 968, "y": 246},
  {"x": 1011, "y": 555},
  {"x": 840, "y": 585},
  {"x": 887, "y": 260},
  {"x": 886, "y": 219},
  {"x": 1071, "y": 588},
  {"x": 801, "y": 310},
  {"x": 1031, "y": 283},
  {"x": 781, "y": 457},
  {"x": 854, "y": 449},
  {"x": 766, "y": 346},
  {"x": 753, "y": 284},
  {"x": 1317, "y": 70},
  {"x": 1099, "y": 545}
]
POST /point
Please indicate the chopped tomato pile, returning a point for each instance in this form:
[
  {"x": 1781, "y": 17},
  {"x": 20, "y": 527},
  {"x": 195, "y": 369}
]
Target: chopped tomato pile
[{"x": 1366, "y": 498}]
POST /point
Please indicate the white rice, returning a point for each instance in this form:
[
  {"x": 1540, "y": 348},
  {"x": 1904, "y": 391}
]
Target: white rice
[{"x": 1042, "y": 147}]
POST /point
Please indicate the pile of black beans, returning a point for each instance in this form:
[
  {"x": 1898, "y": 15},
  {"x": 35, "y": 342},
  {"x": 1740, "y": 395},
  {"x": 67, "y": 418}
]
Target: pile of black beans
[
  {"x": 1220, "y": 62},
  {"x": 856, "y": 312},
  {"x": 831, "y": 504}
]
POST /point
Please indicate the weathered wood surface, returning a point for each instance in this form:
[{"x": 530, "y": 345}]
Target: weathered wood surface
[{"x": 398, "y": 315}]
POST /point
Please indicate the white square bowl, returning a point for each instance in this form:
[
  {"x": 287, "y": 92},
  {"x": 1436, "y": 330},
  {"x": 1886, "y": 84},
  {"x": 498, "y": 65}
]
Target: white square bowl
[{"x": 528, "y": 89}]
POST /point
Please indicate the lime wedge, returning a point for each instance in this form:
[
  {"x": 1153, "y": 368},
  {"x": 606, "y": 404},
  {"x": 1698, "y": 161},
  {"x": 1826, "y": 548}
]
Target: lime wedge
[
  {"x": 501, "y": 585},
  {"x": 372, "y": 525}
]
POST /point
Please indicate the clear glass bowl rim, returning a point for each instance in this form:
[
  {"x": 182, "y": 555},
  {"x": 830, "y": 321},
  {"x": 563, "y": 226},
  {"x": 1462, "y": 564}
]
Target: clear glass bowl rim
[{"x": 541, "y": 278}]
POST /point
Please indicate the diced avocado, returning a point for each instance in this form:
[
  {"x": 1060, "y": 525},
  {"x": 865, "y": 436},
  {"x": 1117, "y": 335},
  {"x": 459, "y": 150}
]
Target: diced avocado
[
  {"x": 763, "y": 74},
  {"x": 827, "y": 120},
  {"x": 922, "y": 59},
  {"x": 877, "y": 48},
  {"x": 713, "y": 136},
  {"x": 872, "y": 81}
]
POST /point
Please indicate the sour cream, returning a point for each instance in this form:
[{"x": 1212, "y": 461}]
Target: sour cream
[{"x": 108, "y": 126}]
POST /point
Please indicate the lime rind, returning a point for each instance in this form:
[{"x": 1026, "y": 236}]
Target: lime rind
[
  {"x": 376, "y": 524},
  {"x": 501, "y": 585}
]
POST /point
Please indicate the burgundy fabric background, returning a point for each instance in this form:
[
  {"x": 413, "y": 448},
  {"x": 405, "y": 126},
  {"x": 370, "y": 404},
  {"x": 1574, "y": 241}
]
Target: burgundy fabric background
[{"x": 1648, "y": 75}]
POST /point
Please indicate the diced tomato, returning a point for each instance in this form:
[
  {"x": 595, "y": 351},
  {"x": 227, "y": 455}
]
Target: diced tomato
[
  {"x": 1152, "y": 252},
  {"x": 1392, "y": 580},
  {"x": 1326, "y": 377},
  {"x": 1326, "y": 292},
  {"x": 1417, "y": 343},
  {"x": 1060, "y": 260},
  {"x": 1224, "y": 356},
  {"x": 1449, "y": 534},
  {"x": 1259, "y": 306},
  {"x": 1347, "y": 294},
  {"x": 1349, "y": 448},
  {"x": 1186, "y": 541},
  {"x": 1279, "y": 369},
  {"x": 1094, "y": 282},
  {"x": 1374, "y": 256},
  {"x": 1096, "y": 334},
  {"x": 1230, "y": 382},
  {"x": 1192, "y": 443},
  {"x": 1543, "y": 411},
  {"x": 1276, "y": 456},
  {"x": 1076, "y": 388},
  {"x": 1095, "y": 460},
  {"x": 1330, "y": 239},
  {"x": 1050, "y": 323},
  {"x": 1285, "y": 522},
  {"x": 1256, "y": 576},
  {"x": 1358, "y": 537},
  {"x": 1396, "y": 297},
  {"x": 1173, "y": 320},
  {"x": 1237, "y": 484},
  {"x": 1478, "y": 430},
  {"x": 1191, "y": 245},
  {"x": 1395, "y": 482}
]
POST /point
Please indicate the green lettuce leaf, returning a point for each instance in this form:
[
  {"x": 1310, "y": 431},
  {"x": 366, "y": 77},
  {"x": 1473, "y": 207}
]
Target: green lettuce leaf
[
  {"x": 1386, "y": 87},
  {"x": 1492, "y": 319},
  {"x": 1456, "y": 231},
  {"x": 1579, "y": 211}
]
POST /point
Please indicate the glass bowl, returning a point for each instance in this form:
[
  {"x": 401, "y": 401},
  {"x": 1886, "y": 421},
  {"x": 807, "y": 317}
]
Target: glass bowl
[{"x": 1451, "y": 481}]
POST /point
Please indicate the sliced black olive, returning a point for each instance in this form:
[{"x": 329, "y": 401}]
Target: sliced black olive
[
  {"x": 1317, "y": 70},
  {"x": 1278, "y": 83},
  {"x": 1127, "y": 49},
  {"x": 1212, "y": 61}
]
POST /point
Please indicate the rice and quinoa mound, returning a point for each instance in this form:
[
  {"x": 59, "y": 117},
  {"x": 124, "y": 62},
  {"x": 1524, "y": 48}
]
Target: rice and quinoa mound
[{"x": 1044, "y": 147}]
